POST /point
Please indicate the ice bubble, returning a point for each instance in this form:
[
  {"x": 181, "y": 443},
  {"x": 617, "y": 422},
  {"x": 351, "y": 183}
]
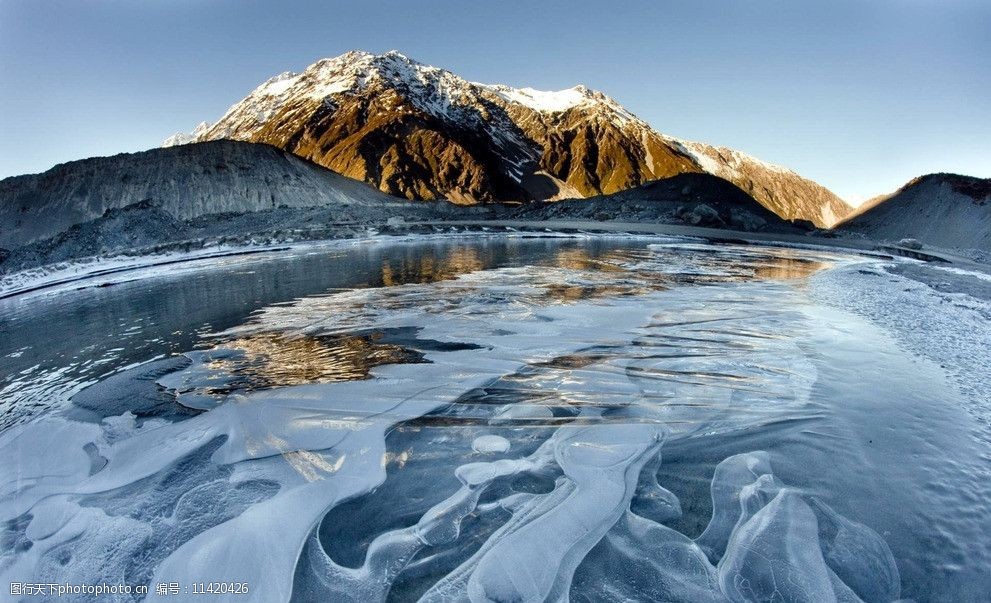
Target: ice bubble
[
  {"x": 731, "y": 476},
  {"x": 535, "y": 554},
  {"x": 640, "y": 560},
  {"x": 776, "y": 556},
  {"x": 858, "y": 555},
  {"x": 490, "y": 444}
]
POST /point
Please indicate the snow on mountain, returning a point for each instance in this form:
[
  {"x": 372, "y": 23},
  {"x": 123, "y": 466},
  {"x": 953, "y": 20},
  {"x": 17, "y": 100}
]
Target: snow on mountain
[
  {"x": 186, "y": 138},
  {"x": 538, "y": 100},
  {"x": 422, "y": 132}
]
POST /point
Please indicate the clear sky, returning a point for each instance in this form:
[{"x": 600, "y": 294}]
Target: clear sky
[{"x": 860, "y": 95}]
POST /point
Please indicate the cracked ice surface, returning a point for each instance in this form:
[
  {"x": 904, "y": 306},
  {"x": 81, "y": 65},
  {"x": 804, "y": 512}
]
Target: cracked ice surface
[{"x": 523, "y": 467}]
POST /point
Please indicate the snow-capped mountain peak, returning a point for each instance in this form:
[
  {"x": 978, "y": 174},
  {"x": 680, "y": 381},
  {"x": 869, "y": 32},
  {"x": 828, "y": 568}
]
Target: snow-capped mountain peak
[
  {"x": 423, "y": 132},
  {"x": 429, "y": 88}
]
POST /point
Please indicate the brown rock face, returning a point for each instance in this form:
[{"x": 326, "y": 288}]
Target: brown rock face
[
  {"x": 421, "y": 132},
  {"x": 387, "y": 141},
  {"x": 594, "y": 153}
]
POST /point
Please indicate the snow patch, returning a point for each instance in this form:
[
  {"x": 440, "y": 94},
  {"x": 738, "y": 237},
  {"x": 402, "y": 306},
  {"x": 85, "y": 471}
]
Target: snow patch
[{"x": 539, "y": 100}]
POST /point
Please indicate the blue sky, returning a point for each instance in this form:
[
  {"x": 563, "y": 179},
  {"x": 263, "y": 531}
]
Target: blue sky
[{"x": 860, "y": 95}]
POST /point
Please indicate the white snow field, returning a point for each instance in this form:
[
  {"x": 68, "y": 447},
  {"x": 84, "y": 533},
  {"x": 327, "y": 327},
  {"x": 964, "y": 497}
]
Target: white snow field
[{"x": 595, "y": 419}]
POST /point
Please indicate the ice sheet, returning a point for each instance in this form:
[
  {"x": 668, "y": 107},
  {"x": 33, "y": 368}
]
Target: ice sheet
[{"x": 579, "y": 372}]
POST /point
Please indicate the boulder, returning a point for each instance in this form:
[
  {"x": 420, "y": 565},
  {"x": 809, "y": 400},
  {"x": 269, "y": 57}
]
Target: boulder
[{"x": 910, "y": 244}]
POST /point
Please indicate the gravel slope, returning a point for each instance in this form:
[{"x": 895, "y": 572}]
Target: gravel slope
[
  {"x": 943, "y": 210},
  {"x": 181, "y": 182}
]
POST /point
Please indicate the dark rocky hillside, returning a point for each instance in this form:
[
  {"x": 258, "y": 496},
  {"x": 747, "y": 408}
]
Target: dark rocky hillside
[
  {"x": 944, "y": 210},
  {"x": 181, "y": 182},
  {"x": 687, "y": 199}
]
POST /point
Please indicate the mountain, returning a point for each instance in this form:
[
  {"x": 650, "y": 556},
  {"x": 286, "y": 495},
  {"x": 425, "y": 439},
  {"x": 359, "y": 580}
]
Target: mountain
[
  {"x": 181, "y": 182},
  {"x": 685, "y": 199},
  {"x": 945, "y": 210},
  {"x": 421, "y": 132}
]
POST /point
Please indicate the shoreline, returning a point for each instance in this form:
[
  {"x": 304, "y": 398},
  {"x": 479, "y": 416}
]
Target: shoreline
[{"x": 61, "y": 274}]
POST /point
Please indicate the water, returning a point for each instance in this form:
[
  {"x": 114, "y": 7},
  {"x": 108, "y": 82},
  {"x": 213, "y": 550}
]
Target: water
[{"x": 504, "y": 418}]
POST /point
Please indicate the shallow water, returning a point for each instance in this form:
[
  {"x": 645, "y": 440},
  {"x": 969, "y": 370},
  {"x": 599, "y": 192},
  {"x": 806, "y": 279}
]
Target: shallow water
[{"x": 495, "y": 419}]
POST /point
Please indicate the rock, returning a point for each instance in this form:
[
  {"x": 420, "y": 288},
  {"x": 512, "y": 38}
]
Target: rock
[
  {"x": 910, "y": 244},
  {"x": 804, "y": 225},
  {"x": 742, "y": 220},
  {"x": 703, "y": 215}
]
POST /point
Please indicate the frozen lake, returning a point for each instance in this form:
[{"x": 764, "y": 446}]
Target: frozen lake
[{"x": 502, "y": 418}]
